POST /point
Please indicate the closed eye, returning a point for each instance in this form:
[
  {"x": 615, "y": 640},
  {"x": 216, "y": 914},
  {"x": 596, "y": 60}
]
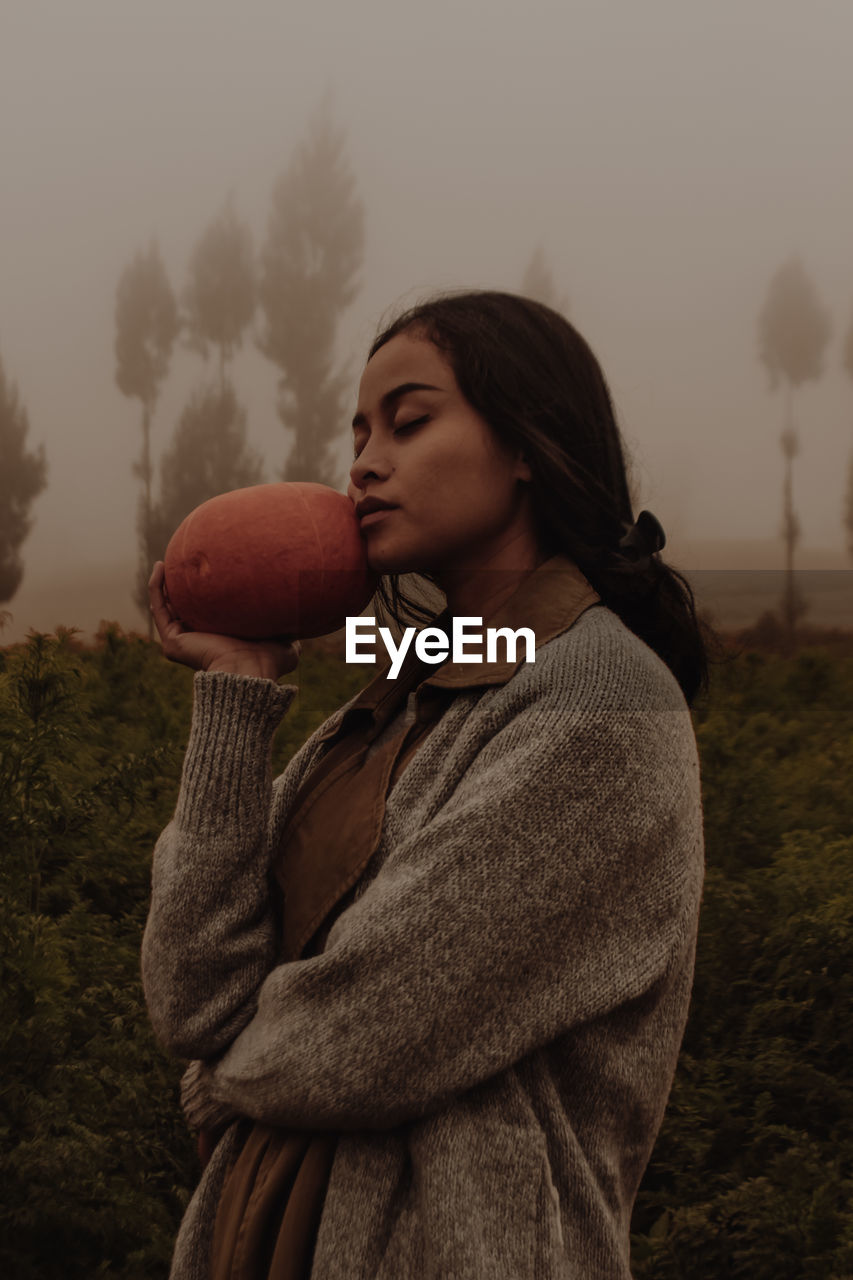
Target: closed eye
[
  {"x": 416, "y": 422},
  {"x": 404, "y": 426}
]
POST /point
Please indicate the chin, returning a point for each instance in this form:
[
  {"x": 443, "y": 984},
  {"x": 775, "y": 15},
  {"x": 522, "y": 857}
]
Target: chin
[
  {"x": 389, "y": 564},
  {"x": 382, "y": 561}
]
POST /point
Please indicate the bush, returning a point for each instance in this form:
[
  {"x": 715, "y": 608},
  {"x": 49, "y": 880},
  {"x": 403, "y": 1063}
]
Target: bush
[{"x": 752, "y": 1175}]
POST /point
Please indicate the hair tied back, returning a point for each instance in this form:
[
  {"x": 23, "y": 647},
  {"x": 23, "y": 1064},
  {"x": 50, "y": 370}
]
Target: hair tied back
[{"x": 644, "y": 537}]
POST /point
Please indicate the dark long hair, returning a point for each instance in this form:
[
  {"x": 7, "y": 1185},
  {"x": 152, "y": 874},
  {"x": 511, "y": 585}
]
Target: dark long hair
[{"x": 535, "y": 381}]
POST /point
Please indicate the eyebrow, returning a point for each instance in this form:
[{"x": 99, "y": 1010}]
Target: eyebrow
[{"x": 391, "y": 397}]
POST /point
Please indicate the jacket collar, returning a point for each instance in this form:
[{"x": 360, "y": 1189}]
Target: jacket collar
[{"x": 549, "y": 600}]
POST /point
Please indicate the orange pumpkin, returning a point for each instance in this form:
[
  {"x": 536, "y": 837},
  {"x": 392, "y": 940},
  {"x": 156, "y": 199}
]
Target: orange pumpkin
[{"x": 271, "y": 560}]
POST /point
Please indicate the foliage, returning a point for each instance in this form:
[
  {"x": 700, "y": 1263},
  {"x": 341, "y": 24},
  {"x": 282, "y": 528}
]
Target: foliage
[
  {"x": 847, "y": 351},
  {"x": 848, "y": 508},
  {"x": 847, "y": 517},
  {"x": 209, "y": 454},
  {"x": 793, "y": 329},
  {"x": 752, "y": 1174},
  {"x": 312, "y": 254},
  {"x": 146, "y": 318},
  {"x": 96, "y": 1163},
  {"x": 219, "y": 299},
  {"x": 753, "y": 1170},
  {"x": 793, "y": 326},
  {"x": 147, "y": 324},
  {"x": 23, "y": 475}
]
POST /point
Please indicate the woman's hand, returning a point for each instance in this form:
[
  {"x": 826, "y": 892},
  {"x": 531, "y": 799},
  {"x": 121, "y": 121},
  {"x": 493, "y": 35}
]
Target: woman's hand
[{"x": 205, "y": 652}]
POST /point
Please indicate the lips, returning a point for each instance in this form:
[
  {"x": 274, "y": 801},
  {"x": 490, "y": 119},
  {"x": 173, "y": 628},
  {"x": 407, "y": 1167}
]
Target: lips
[
  {"x": 371, "y": 504},
  {"x": 373, "y": 517}
]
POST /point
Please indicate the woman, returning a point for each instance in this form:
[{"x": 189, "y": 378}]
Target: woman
[{"x": 433, "y": 980}]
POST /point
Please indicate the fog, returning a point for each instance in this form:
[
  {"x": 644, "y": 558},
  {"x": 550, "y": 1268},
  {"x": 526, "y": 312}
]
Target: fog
[{"x": 666, "y": 157}]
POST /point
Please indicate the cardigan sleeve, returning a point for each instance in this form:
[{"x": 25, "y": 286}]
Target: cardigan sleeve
[
  {"x": 561, "y": 879},
  {"x": 210, "y": 935}
]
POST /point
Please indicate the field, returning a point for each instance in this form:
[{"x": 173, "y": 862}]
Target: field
[
  {"x": 752, "y": 1175},
  {"x": 738, "y": 597},
  {"x": 737, "y": 582}
]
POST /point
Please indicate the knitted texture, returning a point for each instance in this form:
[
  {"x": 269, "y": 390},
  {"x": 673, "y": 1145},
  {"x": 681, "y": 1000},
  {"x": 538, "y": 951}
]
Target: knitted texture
[{"x": 494, "y": 1023}]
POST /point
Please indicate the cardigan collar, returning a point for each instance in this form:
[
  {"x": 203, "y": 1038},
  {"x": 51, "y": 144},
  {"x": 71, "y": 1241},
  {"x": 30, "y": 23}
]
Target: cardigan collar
[{"x": 549, "y": 600}]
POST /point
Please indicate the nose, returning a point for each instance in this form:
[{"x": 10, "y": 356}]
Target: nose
[{"x": 367, "y": 466}]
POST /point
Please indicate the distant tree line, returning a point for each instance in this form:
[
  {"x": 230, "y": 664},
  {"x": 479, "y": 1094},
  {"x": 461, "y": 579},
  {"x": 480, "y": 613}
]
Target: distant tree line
[
  {"x": 793, "y": 330},
  {"x": 304, "y": 277},
  {"x": 302, "y": 280},
  {"x": 23, "y": 475}
]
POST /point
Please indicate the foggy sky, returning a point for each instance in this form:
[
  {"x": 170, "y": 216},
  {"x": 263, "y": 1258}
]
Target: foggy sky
[{"x": 668, "y": 157}]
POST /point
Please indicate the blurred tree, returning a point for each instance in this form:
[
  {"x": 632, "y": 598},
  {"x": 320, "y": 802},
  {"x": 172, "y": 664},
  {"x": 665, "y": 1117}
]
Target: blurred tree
[
  {"x": 219, "y": 299},
  {"x": 313, "y": 250},
  {"x": 538, "y": 283},
  {"x": 23, "y": 475},
  {"x": 847, "y": 357},
  {"x": 848, "y": 507},
  {"x": 147, "y": 324},
  {"x": 793, "y": 330},
  {"x": 847, "y": 353},
  {"x": 209, "y": 454}
]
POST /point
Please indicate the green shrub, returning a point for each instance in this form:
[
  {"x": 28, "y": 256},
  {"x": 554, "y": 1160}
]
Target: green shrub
[{"x": 752, "y": 1175}]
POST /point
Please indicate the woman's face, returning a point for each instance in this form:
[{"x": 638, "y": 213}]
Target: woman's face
[{"x": 460, "y": 498}]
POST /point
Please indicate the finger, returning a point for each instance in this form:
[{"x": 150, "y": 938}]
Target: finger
[
  {"x": 290, "y": 652},
  {"x": 157, "y": 582},
  {"x": 288, "y": 649},
  {"x": 164, "y": 620}
]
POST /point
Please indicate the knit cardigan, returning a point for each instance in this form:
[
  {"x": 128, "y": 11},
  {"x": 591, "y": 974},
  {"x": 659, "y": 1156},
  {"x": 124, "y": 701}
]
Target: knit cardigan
[{"x": 494, "y": 1024}]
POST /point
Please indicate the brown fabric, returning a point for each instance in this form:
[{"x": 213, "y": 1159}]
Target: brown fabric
[
  {"x": 315, "y": 875},
  {"x": 270, "y": 1206},
  {"x": 315, "y": 867}
]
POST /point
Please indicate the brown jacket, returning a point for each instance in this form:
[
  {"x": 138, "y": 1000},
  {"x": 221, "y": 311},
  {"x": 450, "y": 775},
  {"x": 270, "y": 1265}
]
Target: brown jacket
[
  {"x": 271, "y": 1203},
  {"x": 483, "y": 1016}
]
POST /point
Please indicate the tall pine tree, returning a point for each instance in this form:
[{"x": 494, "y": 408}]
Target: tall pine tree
[
  {"x": 209, "y": 454},
  {"x": 219, "y": 298},
  {"x": 847, "y": 517},
  {"x": 793, "y": 330},
  {"x": 23, "y": 475},
  {"x": 147, "y": 324},
  {"x": 310, "y": 260}
]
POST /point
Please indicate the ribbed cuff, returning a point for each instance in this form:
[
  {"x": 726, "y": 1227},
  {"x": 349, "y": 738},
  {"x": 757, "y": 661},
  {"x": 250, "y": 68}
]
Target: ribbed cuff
[
  {"x": 228, "y": 753},
  {"x": 202, "y": 1111}
]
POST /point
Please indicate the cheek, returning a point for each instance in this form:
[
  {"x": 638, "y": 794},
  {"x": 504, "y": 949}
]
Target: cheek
[
  {"x": 430, "y": 475},
  {"x": 455, "y": 474}
]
